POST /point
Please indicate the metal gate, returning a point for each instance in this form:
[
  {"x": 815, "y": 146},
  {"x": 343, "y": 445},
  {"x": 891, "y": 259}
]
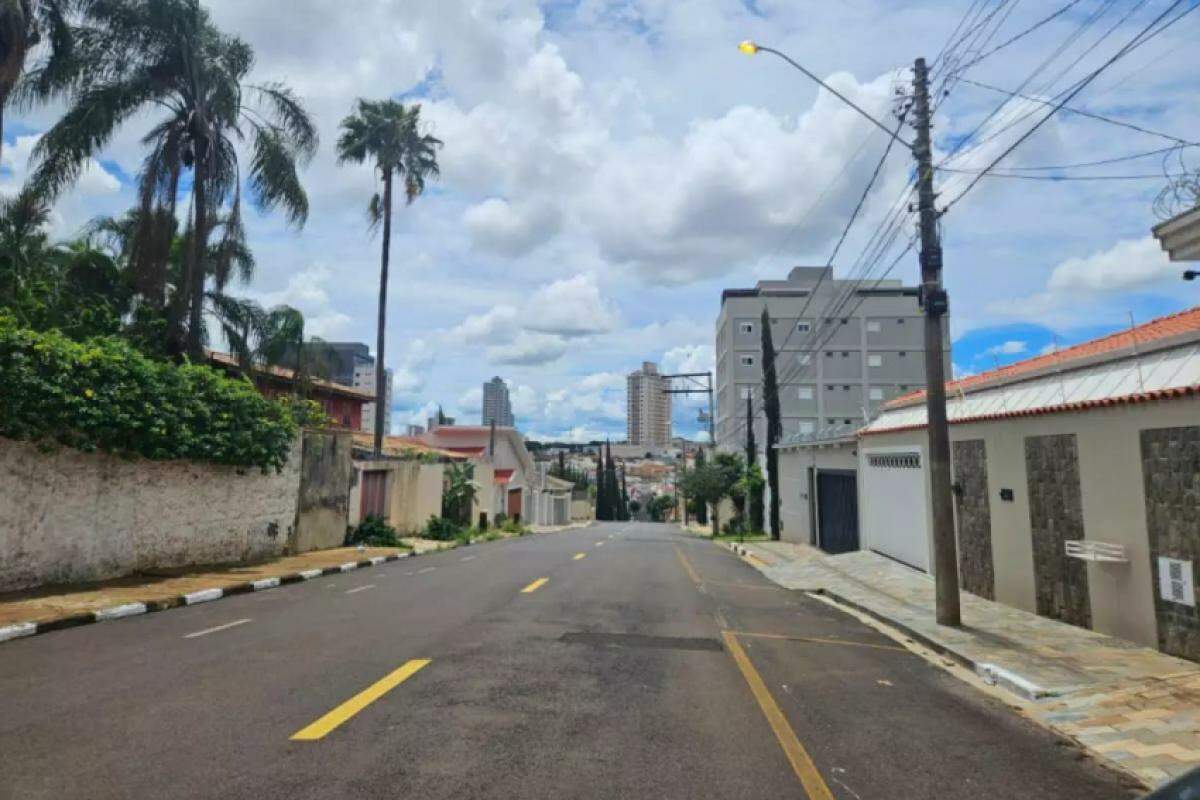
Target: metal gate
[
  {"x": 374, "y": 495},
  {"x": 837, "y": 511}
]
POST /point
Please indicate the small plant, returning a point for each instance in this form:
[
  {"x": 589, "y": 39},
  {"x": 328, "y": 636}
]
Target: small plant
[
  {"x": 441, "y": 529},
  {"x": 513, "y": 527},
  {"x": 373, "y": 532}
]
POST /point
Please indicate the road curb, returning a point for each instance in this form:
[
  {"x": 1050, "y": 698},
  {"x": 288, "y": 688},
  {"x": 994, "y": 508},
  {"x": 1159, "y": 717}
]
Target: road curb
[{"x": 22, "y": 630}]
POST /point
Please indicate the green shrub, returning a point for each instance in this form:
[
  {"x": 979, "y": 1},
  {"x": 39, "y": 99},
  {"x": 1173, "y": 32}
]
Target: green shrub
[
  {"x": 441, "y": 529},
  {"x": 373, "y": 532},
  {"x": 512, "y": 526},
  {"x": 102, "y": 394}
]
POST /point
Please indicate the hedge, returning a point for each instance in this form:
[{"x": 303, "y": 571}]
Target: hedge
[{"x": 102, "y": 394}]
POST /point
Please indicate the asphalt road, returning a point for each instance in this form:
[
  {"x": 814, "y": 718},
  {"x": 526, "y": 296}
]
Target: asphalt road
[{"x": 654, "y": 666}]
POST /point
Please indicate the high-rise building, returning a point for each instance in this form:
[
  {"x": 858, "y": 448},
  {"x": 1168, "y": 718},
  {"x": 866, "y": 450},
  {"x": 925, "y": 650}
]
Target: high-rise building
[
  {"x": 364, "y": 378},
  {"x": 496, "y": 404},
  {"x": 843, "y": 348},
  {"x": 648, "y": 408}
]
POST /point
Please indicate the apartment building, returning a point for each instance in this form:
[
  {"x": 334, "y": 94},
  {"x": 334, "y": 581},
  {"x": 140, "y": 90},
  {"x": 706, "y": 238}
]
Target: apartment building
[
  {"x": 496, "y": 404},
  {"x": 648, "y": 408},
  {"x": 364, "y": 378},
  {"x": 843, "y": 349}
]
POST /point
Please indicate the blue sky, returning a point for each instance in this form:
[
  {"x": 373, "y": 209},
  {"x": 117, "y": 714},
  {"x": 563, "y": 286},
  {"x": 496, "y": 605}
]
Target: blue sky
[{"x": 611, "y": 165}]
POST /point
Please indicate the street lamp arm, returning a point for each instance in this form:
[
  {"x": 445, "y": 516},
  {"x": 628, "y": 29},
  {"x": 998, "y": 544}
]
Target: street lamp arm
[{"x": 751, "y": 48}]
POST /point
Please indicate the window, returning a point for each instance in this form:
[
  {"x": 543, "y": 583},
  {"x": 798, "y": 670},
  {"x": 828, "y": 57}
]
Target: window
[
  {"x": 848, "y": 422},
  {"x": 845, "y": 320},
  {"x": 746, "y": 327},
  {"x": 900, "y": 321},
  {"x": 845, "y": 387},
  {"x": 805, "y": 393},
  {"x": 829, "y": 387},
  {"x": 747, "y": 361},
  {"x": 903, "y": 354},
  {"x": 804, "y": 359},
  {"x": 807, "y": 427},
  {"x": 875, "y": 361},
  {"x": 746, "y": 392},
  {"x": 876, "y": 393},
  {"x": 803, "y": 327},
  {"x": 845, "y": 354},
  {"x": 829, "y": 353},
  {"x": 874, "y": 327}
]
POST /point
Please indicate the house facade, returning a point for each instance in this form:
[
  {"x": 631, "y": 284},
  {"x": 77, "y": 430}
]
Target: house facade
[
  {"x": 1076, "y": 478},
  {"x": 513, "y": 474},
  {"x": 342, "y": 404}
]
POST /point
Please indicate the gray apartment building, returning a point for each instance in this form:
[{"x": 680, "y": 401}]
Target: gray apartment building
[
  {"x": 351, "y": 364},
  {"x": 496, "y": 404},
  {"x": 843, "y": 349}
]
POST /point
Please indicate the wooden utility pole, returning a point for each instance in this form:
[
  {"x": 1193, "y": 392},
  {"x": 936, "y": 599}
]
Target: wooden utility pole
[{"x": 935, "y": 303}]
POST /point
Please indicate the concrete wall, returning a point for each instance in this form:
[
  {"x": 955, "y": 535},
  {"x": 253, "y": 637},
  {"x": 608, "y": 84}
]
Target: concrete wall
[
  {"x": 326, "y": 470},
  {"x": 414, "y": 493},
  {"x": 1112, "y": 494},
  {"x": 581, "y": 510},
  {"x": 70, "y": 516}
]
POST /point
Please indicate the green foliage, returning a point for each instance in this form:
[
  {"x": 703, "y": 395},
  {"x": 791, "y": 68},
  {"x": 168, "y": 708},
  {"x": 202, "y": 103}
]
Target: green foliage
[
  {"x": 102, "y": 394},
  {"x": 441, "y": 529},
  {"x": 373, "y": 532},
  {"x": 513, "y": 527},
  {"x": 458, "y": 492},
  {"x": 659, "y": 506}
]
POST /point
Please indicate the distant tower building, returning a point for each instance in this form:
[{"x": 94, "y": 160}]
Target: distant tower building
[
  {"x": 648, "y": 416},
  {"x": 364, "y": 378},
  {"x": 496, "y": 405}
]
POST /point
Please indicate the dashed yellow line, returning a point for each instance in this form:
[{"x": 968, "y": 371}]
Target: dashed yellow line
[
  {"x": 802, "y": 764},
  {"x": 687, "y": 565},
  {"x": 533, "y": 587},
  {"x": 579, "y": 556},
  {"x": 327, "y": 723}
]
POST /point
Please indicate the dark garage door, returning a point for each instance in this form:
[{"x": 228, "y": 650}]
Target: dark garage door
[{"x": 837, "y": 511}]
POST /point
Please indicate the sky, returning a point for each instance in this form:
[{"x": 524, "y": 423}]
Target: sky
[{"x": 609, "y": 166}]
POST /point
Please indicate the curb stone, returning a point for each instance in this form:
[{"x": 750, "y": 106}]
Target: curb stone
[{"x": 21, "y": 630}]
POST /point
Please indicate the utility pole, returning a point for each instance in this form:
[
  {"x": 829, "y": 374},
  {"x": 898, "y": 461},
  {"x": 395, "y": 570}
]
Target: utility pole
[{"x": 935, "y": 303}]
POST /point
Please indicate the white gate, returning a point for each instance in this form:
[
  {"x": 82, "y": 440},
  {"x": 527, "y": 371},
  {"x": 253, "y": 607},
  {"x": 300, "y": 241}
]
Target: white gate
[{"x": 895, "y": 514}]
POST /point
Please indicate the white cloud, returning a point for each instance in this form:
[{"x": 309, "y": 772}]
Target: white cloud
[
  {"x": 497, "y": 323},
  {"x": 690, "y": 358},
  {"x": 497, "y": 226},
  {"x": 1009, "y": 348},
  {"x": 572, "y": 308},
  {"x": 528, "y": 349},
  {"x": 1128, "y": 265},
  {"x": 471, "y": 401}
]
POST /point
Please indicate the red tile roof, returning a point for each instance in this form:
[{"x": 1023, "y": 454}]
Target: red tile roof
[{"x": 1121, "y": 341}]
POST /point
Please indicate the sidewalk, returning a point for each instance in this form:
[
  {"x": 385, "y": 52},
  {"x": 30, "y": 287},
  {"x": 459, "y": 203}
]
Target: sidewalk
[
  {"x": 1128, "y": 704},
  {"x": 62, "y": 606}
]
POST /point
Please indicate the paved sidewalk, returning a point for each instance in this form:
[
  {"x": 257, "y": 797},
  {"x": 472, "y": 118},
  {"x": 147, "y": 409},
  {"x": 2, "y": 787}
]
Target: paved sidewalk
[
  {"x": 58, "y": 603},
  {"x": 1131, "y": 705}
]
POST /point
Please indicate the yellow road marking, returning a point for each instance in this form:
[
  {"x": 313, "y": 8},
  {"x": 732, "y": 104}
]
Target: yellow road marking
[
  {"x": 533, "y": 587},
  {"x": 327, "y": 723},
  {"x": 816, "y": 640},
  {"x": 599, "y": 544},
  {"x": 687, "y": 565},
  {"x": 814, "y": 785},
  {"x": 579, "y": 556}
]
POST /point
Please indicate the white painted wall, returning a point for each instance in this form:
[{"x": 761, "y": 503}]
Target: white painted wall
[
  {"x": 796, "y": 506},
  {"x": 1112, "y": 491},
  {"x": 893, "y": 504},
  {"x": 70, "y": 516}
]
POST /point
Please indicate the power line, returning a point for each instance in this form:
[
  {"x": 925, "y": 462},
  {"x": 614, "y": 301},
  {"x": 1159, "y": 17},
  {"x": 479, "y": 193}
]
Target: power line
[
  {"x": 1077, "y": 89},
  {"x": 1035, "y": 26},
  {"x": 1102, "y": 162},
  {"x": 866, "y": 191},
  {"x": 1083, "y": 113},
  {"x": 1018, "y": 176}
]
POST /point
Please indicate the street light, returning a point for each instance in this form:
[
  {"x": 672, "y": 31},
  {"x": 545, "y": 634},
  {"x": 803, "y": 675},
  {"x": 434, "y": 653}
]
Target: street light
[{"x": 752, "y": 48}]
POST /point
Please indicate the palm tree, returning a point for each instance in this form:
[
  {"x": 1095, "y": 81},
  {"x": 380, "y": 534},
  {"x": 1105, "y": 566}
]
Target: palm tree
[
  {"x": 388, "y": 133},
  {"x": 167, "y": 54},
  {"x": 23, "y": 24}
]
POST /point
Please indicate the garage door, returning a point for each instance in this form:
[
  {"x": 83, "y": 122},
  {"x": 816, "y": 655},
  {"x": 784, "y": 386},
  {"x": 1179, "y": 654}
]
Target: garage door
[{"x": 894, "y": 518}]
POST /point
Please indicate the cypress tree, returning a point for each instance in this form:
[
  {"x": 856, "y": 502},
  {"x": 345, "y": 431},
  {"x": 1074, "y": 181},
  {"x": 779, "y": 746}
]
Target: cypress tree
[
  {"x": 701, "y": 507},
  {"x": 754, "y": 498},
  {"x": 612, "y": 488},
  {"x": 774, "y": 421}
]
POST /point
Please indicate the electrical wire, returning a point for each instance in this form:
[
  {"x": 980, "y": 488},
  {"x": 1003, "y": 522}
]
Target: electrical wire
[
  {"x": 1143, "y": 36},
  {"x": 1014, "y": 39}
]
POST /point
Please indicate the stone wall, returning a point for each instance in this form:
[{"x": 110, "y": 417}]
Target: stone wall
[
  {"x": 71, "y": 517},
  {"x": 1171, "y": 474},
  {"x": 326, "y": 470},
  {"x": 1055, "y": 516},
  {"x": 976, "y": 568}
]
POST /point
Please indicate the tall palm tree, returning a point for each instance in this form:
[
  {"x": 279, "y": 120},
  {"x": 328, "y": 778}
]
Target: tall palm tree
[
  {"x": 23, "y": 25},
  {"x": 167, "y": 54},
  {"x": 388, "y": 133}
]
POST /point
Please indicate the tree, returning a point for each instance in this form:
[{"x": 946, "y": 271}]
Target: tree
[
  {"x": 753, "y": 490},
  {"x": 140, "y": 55},
  {"x": 602, "y": 504},
  {"x": 388, "y": 133},
  {"x": 623, "y": 509},
  {"x": 612, "y": 489},
  {"x": 774, "y": 423},
  {"x": 710, "y": 483},
  {"x": 702, "y": 508},
  {"x": 458, "y": 493},
  {"x": 23, "y": 25}
]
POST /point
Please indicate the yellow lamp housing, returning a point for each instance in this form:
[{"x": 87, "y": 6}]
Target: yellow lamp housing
[{"x": 748, "y": 47}]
